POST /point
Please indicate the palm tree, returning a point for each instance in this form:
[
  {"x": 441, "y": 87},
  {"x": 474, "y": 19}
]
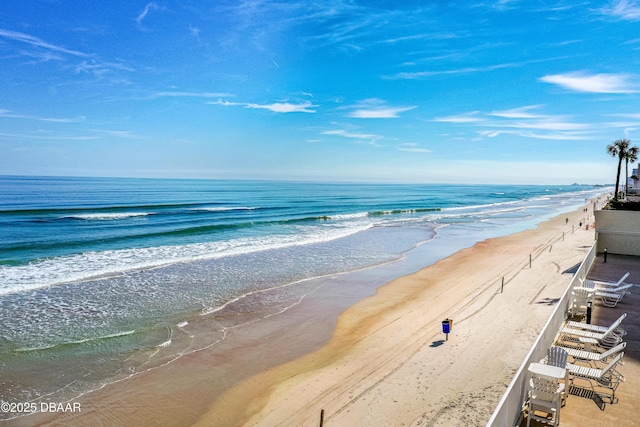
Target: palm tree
[
  {"x": 618, "y": 149},
  {"x": 630, "y": 156}
]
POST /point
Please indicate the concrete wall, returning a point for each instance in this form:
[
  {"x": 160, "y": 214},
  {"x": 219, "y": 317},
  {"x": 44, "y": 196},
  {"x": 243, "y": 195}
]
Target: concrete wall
[{"x": 618, "y": 232}]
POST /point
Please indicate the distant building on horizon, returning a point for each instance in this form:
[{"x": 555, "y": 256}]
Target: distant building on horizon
[{"x": 634, "y": 183}]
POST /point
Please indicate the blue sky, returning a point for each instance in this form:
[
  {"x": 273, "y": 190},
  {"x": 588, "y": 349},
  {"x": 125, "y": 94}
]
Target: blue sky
[{"x": 335, "y": 90}]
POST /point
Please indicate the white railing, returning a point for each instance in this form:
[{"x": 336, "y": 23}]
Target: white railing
[{"x": 509, "y": 409}]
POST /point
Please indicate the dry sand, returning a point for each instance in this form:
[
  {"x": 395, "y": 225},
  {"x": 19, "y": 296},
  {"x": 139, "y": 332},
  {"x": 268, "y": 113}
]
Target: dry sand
[{"x": 387, "y": 362}]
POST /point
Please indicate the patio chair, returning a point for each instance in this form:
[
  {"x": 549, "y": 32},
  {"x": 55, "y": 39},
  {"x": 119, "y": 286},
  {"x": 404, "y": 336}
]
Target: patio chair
[
  {"x": 580, "y": 298},
  {"x": 611, "y": 298},
  {"x": 544, "y": 397},
  {"x": 594, "y": 284},
  {"x": 606, "y": 377},
  {"x": 617, "y": 289},
  {"x": 557, "y": 356},
  {"x": 592, "y": 357},
  {"x": 606, "y": 339},
  {"x": 597, "y": 328}
]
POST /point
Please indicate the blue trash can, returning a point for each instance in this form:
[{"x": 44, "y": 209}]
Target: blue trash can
[{"x": 446, "y": 326}]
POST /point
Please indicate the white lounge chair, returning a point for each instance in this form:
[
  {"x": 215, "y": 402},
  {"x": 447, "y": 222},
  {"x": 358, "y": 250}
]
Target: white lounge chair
[
  {"x": 597, "y": 328},
  {"x": 591, "y": 357},
  {"x": 544, "y": 397},
  {"x": 605, "y": 377},
  {"x": 613, "y": 297},
  {"x": 594, "y": 284},
  {"x": 606, "y": 339},
  {"x": 618, "y": 289}
]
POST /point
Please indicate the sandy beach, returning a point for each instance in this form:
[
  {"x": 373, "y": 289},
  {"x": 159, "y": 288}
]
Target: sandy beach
[
  {"x": 384, "y": 361},
  {"x": 388, "y": 363}
]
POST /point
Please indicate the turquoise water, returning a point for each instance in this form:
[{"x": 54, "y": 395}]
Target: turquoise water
[{"x": 103, "y": 278}]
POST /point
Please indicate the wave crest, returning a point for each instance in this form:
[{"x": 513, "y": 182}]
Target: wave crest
[{"x": 106, "y": 216}]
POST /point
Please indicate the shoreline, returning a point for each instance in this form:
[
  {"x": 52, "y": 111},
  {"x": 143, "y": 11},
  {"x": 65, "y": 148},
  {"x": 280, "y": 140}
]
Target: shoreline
[
  {"x": 180, "y": 391},
  {"x": 376, "y": 369}
]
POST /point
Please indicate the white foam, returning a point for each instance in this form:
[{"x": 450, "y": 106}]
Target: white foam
[
  {"x": 486, "y": 205},
  {"x": 82, "y": 341},
  {"x": 92, "y": 265},
  {"x": 349, "y": 216},
  {"x": 224, "y": 208},
  {"x": 106, "y": 216}
]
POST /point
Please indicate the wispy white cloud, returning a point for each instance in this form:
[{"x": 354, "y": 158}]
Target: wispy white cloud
[
  {"x": 52, "y": 134},
  {"x": 226, "y": 103},
  {"x": 624, "y": 9},
  {"x": 629, "y": 115},
  {"x": 594, "y": 83},
  {"x": 522, "y": 122},
  {"x": 70, "y": 135},
  {"x": 43, "y": 51},
  {"x": 374, "y": 108},
  {"x": 276, "y": 107},
  {"x": 471, "y": 117},
  {"x": 337, "y": 23},
  {"x": 502, "y": 4},
  {"x": 285, "y": 107},
  {"x": 195, "y": 32},
  {"x": 551, "y": 124},
  {"x": 465, "y": 70},
  {"x": 518, "y": 113},
  {"x": 380, "y": 113},
  {"x": 428, "y": 36},
  {"x": 145, "y": 12},
  {"x": 12, "y": 115},
  {"x": 41, "y": 56},
  {"x": 185, "y": 94},
  {"x": 347, "y": 24},
  {"x": 118, "y": 133},
  {"x": 101, "y": 69},
  {"x": 46, "y": 137},
  {"x": 561, "y": 136},
  {"x": 37, "y": 42},
  {"x": 412, "y": 147},
  {"x": 371, "y": 138},
  {"x": 620, "y": 125}
]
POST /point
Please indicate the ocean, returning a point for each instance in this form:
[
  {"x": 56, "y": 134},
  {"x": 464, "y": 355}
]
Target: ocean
[{"x": 103, "y": 278}]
